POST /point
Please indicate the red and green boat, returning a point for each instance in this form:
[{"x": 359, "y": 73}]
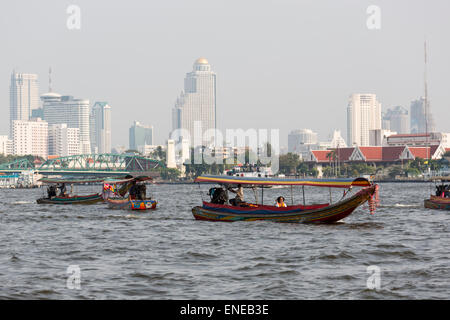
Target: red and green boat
[
  {"x": 85, "y": 199},
  {"x": 68, "y": 198},
  {"x": 116, "y": 197},
  {"x": 316, "y": 213}
]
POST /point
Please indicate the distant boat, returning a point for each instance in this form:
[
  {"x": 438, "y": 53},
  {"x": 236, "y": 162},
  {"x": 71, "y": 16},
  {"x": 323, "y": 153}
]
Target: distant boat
[
  {"x": 68, "y": 198},
  {"x": 116, "y": 199},
  {"x": 318, "y": 213},
  {"x": 442, "y": 198}
]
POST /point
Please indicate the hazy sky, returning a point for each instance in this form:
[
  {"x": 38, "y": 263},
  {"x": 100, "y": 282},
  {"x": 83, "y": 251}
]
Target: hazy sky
[{"x": 283, "y": 64}]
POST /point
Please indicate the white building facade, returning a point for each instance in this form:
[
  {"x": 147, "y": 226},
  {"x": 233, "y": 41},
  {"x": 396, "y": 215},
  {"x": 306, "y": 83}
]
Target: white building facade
[
  {"x": 30, "y": 137},
  {"x": 63, "y": 141},
  {"x": 363, "y": 115},
  {"x": 6, "y": 146},
  {"x": 197, "y": 103},
  {"x": 100, "y": 128},
  {"x": 59, "y": 109},
  {"x": 23, "y": 96}
]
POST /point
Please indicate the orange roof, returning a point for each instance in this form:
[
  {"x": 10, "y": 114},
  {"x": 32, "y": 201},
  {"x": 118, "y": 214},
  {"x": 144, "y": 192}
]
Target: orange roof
[
  {"x": 423, "y": 152},
  {"x": 343, "y": 154},
  {"x": 321, "y": 155},
  {"x": 50, "y": 157},
  {"x": 372, "y": 153}
]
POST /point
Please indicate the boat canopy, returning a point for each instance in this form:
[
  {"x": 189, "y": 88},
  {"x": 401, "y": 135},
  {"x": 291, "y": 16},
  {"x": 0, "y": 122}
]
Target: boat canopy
[
  {"x": 70, "y": 180},
  {"x": 126, "y": 180},
  {"x": 261, "y": 181}
]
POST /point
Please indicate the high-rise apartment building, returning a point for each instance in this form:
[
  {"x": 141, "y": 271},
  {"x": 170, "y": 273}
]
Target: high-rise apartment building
[
  {"x": 197, "y": 103},
  {"x": 60, "y": 109},
  {"x": 140, "y": 135},
  {"x": 100, "y": 128},
  {"x": 23, "y": 96},
  {"x": 30, "y": 137},
  {"x": 63, "y": 141},
  {"x": 363, "y": 115}
]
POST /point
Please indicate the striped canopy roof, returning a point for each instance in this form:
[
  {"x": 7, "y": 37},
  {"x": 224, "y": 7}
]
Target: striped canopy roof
[
  {"x": 70, "y": 180},
  {"x": 333, "y": 183},
  {"x": 126, "y": 180}
]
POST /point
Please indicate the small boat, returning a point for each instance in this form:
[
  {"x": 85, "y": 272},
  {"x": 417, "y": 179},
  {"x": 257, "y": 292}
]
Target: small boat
[
  {"x": 131, "y": 204},
  {"x": 317, "y": 213},
  {"x": 441, "y": 200},
  {"x": 136, "y": 200},
  {"x": 87, "y": 199},
  {"x": 63, "y": 197}
]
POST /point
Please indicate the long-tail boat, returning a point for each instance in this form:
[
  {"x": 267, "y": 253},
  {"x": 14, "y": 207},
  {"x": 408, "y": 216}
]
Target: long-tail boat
[
  {"x": 115, "y": 197},
  {"x": 315, "y": 213},
  {"x": 441, "y": 200},
  {"x": 68, "y": 198}
]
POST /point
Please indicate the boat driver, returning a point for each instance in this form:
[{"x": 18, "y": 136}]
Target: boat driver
[
  {"x": 62, "y": 190},
  {"x": 239, "y": 195}
]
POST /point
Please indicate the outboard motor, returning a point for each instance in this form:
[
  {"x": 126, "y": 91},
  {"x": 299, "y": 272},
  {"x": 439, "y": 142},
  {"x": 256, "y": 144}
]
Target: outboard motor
[{"x": 218, "y": 195}]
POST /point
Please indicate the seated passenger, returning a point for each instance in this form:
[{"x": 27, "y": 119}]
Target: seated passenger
[{"x": 280, "y": 202}]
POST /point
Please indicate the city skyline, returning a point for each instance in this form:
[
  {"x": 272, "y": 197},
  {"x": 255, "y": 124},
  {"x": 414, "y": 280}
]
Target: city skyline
[{"x": 305, "y": 85}]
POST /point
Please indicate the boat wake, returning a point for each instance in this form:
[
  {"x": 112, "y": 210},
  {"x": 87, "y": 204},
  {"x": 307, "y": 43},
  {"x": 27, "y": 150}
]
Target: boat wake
[
  {"x": 402, "y": 205},
  {"x": 22, "y": 202}
]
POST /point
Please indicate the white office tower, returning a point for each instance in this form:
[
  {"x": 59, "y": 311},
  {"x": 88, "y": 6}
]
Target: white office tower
[
  {"x": 6, "y": 146},
  {"x": 363, "y": 115},
  {"x": 74, "y": 112},
  {"x": 63, "y": 141},
  {"x": 170, "y": 158},
  {"x": 197, "y": 103},
  {"x": 30, "y": 137},
  {"x": 23, "y": 96},
  {"x": 100, "y": 128}
]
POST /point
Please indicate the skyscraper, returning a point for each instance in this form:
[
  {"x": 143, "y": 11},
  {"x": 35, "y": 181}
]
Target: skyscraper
[
  {"x": 419, "y": 117},
  {"x": 140, "y": 135},
  {"x": 23, "y": 96},
  {"x": 398, "y": 120},
  {"x": 100, "y": 128},
  {"x": 197, "y": 102},
  {"x": 74, "y": 112},
  {"x": 363, "y": 115}
]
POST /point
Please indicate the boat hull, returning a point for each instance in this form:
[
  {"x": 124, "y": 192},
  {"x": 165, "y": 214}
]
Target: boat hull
[
  {"x": 437, "y": 203},
  {"x": 320, "y": 214},
  {"x": 127, "y": 204},
  {"x": 87, "y": 199}
]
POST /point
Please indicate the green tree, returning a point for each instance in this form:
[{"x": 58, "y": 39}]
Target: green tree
[{"x": 288, "y": 163}]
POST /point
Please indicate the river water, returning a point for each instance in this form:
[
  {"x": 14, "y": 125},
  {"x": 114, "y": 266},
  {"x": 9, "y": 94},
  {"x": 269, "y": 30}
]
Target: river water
[{"x": 166, "y": 254}]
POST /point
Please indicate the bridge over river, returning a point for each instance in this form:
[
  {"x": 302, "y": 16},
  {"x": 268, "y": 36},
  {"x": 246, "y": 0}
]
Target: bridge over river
[{"x": 87, "y": 165}]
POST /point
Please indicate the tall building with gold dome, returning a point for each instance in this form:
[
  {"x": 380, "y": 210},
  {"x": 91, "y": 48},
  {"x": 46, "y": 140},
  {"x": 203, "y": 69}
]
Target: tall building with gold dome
[{"x": 197, "y": 103}]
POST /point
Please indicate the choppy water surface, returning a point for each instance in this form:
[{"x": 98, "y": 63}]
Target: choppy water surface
[{"x": 166, "y": 254}]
